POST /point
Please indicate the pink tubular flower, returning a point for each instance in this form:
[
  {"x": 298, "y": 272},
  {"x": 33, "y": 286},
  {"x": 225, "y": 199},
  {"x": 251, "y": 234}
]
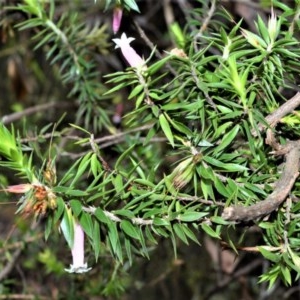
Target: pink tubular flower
[
  {"x": 117, "y": 18},
  {"x": 19, "y": 188},
  {"x": 77, "y": 250},
  {"x": 128, "y": 52}
]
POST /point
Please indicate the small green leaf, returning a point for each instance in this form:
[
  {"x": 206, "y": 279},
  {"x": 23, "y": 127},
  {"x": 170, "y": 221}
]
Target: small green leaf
[
  {"x": 295, "y": 258},
  {"x": 191, "y": 216},
  {"x": 166, "y": 128},
  {"x": 158, "y": 65},
  {"x": 210, "y": 231},
  {"x": 76, "y": 207},
  {"x": 274, "y": 257},
  {"x": 286, "y": 275},
  {"x": 67, "y": 227},
  {"x": 221, "y": 188},
  {"x": 69, "y": 191},
  {"x": 48, "y": 227},
  {"x": 137, "y": 90},
  {"x": 130, "y": 230},
  {"x": 100, "y": 215},
  {"x": 114, "y": 240},
  {"x": 128, "y": 250},
  {"x": 189, "y": 233},
  {"x": 230, "y": 167},
  {"x": 95, "y": 165},
  {"x": 118, "y": 183},
  {"x": 178, "y": 34},
  {"x": 132, "y": 4},
  {"x": 149, "y": 235},
  {"x": 227, "y": 139},
  {"x": 219, "y": 220},
  {"x": 180, "y": 233},
  {"x": 207, "y": 190},
  {"x": 96, "y": 239},
  {"x": 123, "y": 156},
  {"x": 160, "y": 222},
  {"x": 87, "y": 224},
  {"x": 59, "y": 209},
  {"x": 85, "y": 162},
  {"x": 125, "y": 213}
]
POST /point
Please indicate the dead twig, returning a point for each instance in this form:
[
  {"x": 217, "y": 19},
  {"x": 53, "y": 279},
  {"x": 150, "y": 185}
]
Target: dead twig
[
  {"x": 32, "y": 110},
  {"x": 225, "y": 282},
  {"x": 9, "y": 266}
]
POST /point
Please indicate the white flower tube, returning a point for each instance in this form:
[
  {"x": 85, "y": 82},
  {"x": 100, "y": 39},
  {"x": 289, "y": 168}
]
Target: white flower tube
[{"x": 77, "y": 250}]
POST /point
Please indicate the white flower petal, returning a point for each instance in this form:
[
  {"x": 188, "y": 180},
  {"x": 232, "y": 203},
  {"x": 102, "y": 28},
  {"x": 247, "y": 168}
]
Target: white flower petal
[
  {"x": 124, "y": 41},
  {"x": 78, "y": 269}
]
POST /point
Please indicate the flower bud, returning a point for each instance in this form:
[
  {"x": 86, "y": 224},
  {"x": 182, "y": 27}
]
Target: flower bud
[
  {"x": 183, "y": 173},
  {"x": 117, "y": 18}
]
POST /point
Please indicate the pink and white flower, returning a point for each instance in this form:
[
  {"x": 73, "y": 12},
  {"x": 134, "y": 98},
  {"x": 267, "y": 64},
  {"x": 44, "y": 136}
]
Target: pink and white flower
[
  {"x": 19, "y": 188},
  {"x": 78, "y": 266},
  {"x": 117, "y": 18},
  {"x": 133, "y": 59}
]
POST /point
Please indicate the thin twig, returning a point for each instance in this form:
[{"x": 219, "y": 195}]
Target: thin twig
[
  {"x": 119, "y": 135},
  {"x": 9, "y": 266},
  {"x": 95, "y": 149},
  {"x": 224, "y": 283},
  {"x": 30, "y": 239},
  {"x": 153, "y": 48},
  {"x": 14, "y": 257},
  {"x": 201, "y": 200},
  {"x": 205, "y": 23},
  {"x": 147, "y": 40},
  {"x": 32, "y": 110},
  {"x": 23, "y": 296}
]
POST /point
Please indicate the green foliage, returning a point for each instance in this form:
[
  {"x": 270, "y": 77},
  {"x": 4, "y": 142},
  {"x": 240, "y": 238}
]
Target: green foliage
[
  {"x": 71, "y": 47},
  {"x": 189, "y": 146},
  {"x": 12, "y": 155}
]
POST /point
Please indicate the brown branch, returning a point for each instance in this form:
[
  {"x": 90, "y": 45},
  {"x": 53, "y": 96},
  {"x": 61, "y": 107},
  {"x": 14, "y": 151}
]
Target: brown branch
[
  {"x": 10, "y": 265},
  {"x": 225, "y": 282},
  {"x": 23, "y": 296},
  {"x": 32, "y": 110},
  {"x": 282, "y": 188},
  {"x": 205, "y": 24},
  {"x": 280, "y": 112}
]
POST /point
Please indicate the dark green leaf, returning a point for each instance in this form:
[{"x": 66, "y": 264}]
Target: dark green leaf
[
  {"x": 86, "y": 223},
  {"x": 166, "y": 128},
  {"x": 67, "y": 227},
  {"x": 76, "y": 207},
  {"x": 180, "y": 233},
  {"x": 210, "y": 231},
  {"x": 96, "y": 239},
  {"x": 191, "y": 216}
]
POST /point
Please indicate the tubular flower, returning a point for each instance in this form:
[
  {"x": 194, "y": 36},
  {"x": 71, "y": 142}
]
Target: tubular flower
[
  {"x": 128, "y": 52},
  {"x": 77, "y": 250},
  {"x": 19, "y": 188},
  {"x": 117, "y": 18}
]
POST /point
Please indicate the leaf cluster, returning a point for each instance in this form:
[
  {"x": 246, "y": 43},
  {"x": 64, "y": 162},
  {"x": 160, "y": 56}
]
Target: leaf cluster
[{"x": 194, "y": 143}]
